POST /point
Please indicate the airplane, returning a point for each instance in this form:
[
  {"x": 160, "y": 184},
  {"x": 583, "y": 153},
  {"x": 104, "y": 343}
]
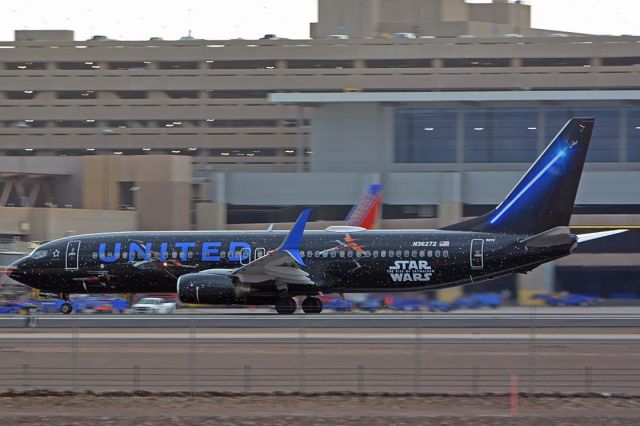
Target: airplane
[{"x": 529, "y": 228}]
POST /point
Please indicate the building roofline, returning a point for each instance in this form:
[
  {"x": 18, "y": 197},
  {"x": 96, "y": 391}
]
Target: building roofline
[{"x": 471, "y": 96}]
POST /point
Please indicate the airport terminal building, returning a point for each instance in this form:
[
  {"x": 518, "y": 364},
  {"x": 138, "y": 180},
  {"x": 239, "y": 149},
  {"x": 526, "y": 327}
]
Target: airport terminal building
[{"x": 207, "y": 134}]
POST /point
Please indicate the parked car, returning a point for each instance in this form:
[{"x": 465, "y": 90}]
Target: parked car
[
  {"x": 13, "y": 307},
  {"x": 401, "y": 304},
  {"x": 438, "y": 306},
  {"x": 338, "y": 304},
  {"x": 154, "y": 305},
  {"x": 478, "y": 300},
  {"x": 403, "y": 35},
  {"x": 370, "y": 305},
  {"x": 566, "y": 299}
]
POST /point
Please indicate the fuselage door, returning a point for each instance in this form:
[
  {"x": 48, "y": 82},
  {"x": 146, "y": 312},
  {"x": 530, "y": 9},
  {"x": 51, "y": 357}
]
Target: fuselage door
[
  {"x": 72, "y": 257},
  {"x": 245, "y": 256},
  {"x": 259, "y": 252},
  {"x": 477, "y": 254}
]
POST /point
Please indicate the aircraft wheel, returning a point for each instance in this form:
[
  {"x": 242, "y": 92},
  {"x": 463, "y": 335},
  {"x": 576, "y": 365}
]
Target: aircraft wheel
[
  {"x": 286, "y": 306},
  {"x": 66, "y": 308},
  {"x": 312, "y": 305}
]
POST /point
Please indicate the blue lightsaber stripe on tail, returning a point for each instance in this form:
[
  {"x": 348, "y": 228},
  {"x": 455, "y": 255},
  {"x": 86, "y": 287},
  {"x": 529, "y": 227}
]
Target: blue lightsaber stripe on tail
[{"x": 537, "y": 177}]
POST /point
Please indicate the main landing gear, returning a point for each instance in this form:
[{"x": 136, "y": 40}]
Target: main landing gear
[
  {"x": 66, "y": 308},
  {"x": 312, "y": 305},
  {"x": 288, "y": 305}
]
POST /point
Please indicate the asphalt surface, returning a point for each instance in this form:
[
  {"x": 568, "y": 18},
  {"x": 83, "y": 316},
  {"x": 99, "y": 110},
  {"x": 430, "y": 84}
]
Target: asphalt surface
[
  {"x": 222, "y": 318},
  {"x": 316, "y": 410}
]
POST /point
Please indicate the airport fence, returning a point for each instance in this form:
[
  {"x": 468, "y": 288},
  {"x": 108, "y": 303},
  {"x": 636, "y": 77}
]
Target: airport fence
[
  {"x": 190, "y": 363},
  {"x": 359, "y": 379}
]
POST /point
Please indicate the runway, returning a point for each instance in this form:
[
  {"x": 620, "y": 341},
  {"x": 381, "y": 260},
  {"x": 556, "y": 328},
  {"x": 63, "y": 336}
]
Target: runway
[
  {"x": 294, "y": 337},
  {"x": 220, "y": 318}
]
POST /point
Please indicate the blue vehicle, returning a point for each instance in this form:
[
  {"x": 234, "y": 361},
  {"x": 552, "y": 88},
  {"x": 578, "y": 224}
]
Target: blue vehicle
[
  {"x": 370, "y": 305},
  {"x": 13, "y": 307},
  {"x": 339, "y": 305},
  {"x": 566, "y": 299},
  {"x": 479, "y": 300},
  {"x": 408, "y": 304},
  {"x": 438, "y": 306}
]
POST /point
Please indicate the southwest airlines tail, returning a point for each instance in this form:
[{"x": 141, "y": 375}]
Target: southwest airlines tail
[
  {"x": 544, "y": 197},
  {"x": 365, "y": 213}
]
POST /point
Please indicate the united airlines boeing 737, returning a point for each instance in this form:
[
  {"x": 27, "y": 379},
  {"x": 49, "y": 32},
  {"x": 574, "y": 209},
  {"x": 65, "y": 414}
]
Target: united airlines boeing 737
[{"x": 529, "y": 228}]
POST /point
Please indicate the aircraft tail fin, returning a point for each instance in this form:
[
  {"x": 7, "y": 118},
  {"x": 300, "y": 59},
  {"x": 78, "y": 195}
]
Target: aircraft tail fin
[
  {"x": 365, "y": 213},
  {"x": 543, "y": 199}
]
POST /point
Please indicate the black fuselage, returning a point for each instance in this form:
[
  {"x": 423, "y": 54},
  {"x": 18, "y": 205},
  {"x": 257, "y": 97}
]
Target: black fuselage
[{"x": 337, "y": 262}]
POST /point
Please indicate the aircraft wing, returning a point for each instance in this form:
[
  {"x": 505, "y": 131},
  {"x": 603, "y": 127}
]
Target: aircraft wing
[{"x": 282, "y": 263}]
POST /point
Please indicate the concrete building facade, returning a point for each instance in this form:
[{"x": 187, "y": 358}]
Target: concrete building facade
[{"x": 211, "y": 134}]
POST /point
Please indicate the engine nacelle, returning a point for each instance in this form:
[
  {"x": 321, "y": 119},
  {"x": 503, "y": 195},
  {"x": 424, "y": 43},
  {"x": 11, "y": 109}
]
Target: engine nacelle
[{"x": 214, "y": 289}]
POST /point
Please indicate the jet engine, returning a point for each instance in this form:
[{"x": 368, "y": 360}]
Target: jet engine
[{"x": 209, "y": 288}]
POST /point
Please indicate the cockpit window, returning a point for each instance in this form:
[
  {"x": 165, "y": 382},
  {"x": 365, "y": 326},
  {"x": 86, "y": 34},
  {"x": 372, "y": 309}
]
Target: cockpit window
[{"x": 39, "y": 254}]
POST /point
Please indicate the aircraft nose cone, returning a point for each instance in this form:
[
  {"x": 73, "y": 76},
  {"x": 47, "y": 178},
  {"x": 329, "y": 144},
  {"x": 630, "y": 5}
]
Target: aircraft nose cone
[{"x": 14, "y": 271}]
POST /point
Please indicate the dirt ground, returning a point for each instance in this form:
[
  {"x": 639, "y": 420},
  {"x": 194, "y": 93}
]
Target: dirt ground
[{"x": 315, "y": 410}]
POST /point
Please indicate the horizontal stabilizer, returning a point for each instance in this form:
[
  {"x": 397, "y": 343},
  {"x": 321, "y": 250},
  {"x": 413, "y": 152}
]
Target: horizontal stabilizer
[
  {"x": 553, "y": 237},
  {"x": 595, "y": 235}
]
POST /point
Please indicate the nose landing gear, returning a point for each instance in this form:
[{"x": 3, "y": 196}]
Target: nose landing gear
[{"x": 66, "y": 308}]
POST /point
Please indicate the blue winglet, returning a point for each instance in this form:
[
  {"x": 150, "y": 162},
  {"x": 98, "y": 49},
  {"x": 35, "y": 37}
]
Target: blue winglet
[{"x": 291, "y": 244}]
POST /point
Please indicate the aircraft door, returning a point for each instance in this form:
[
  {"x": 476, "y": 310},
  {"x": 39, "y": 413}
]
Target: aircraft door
[
  {"x": 245, "y": 256},
  {"x": 259, "y": 252},
  {"x": 477, "y": 254},
  {"x": 72, "y": 256}
]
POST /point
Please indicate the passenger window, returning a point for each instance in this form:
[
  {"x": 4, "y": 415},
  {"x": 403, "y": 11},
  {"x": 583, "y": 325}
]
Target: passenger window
[
  {"x": 437, "y": 253},
  {"x": 406, "y": 253},
  {"x": 190, "y": 254},
  {"x": 125, "y": 254},
  {"x": 391, "y": 253},
  {"x": 375, "y": 253},
  {"x": 94, "y": 255},
  {"x": 445, "y": 253},
  {"x": 398, "y": 253},
  {"x": 302, "y": 254},
  {"x": 358, "y": 254},
  {"x": 430, "y": 253},
  {"x": 350, "y": 253},
  {"x": 174, "y": 254},
  {"x": 421, "y": 253},
  {"x": 325, "y": 254},
  {"x": 414, "y": 253},
  {"x": 333, "y": 254},
  {"x": 383, "y": 253},
  {"x": 341, "y": 254},
  {"x": 223, "y": 254},
  {"x": 367, "y": 253},
  {"x": 309, "y": 253}
]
